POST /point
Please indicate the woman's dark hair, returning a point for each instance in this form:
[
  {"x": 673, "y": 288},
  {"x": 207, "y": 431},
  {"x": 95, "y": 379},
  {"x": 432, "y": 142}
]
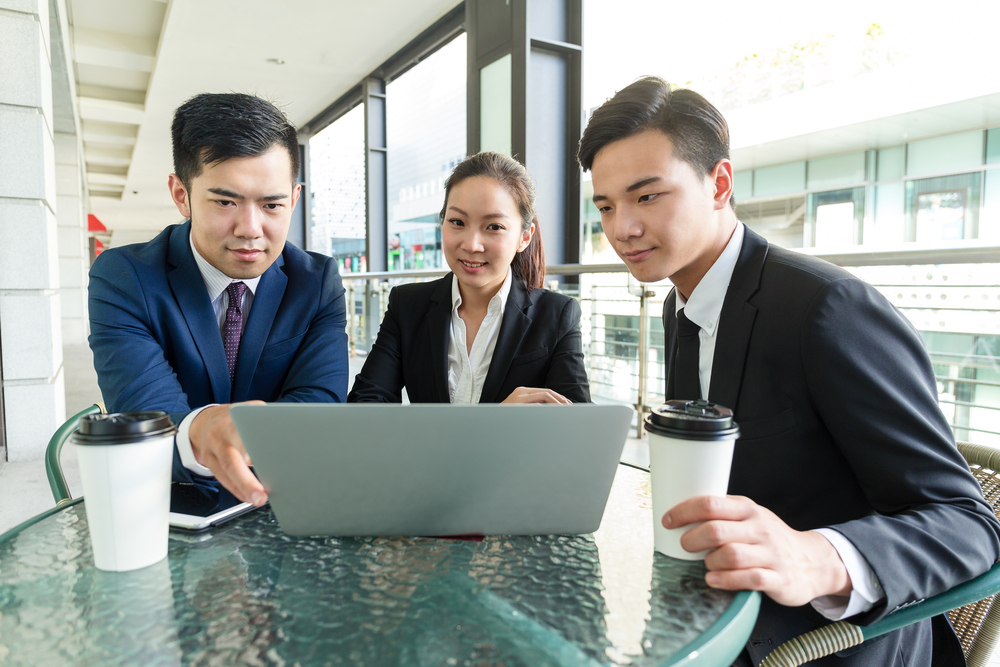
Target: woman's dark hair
[
  {"x": 213, "y": 127},
  {"x": 529, "y": 264},
  {"x": 697, "y": 130}
]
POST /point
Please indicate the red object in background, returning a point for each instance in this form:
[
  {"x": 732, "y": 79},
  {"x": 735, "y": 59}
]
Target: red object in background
[
  {"x": 98, "y": 247},
  {"x": 95, "y": 225}
]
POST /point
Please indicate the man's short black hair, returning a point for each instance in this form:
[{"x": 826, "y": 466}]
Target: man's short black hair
[
  {"x": 212, "y": 127},
  {"x": 697, "y": 130}
]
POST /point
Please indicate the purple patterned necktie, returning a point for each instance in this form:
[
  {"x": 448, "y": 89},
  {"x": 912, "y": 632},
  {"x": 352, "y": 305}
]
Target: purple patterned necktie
[{"x": 233, "y": 328}]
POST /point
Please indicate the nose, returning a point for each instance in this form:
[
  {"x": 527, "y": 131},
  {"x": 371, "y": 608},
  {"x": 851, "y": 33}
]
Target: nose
[
  {"x": 249, "y": 222},
  {"x": 627, "y": 225},
  {"x": 472, "y": 241}
]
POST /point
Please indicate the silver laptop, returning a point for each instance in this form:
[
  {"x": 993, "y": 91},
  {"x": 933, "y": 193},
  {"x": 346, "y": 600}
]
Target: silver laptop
[{"x": 441, "y": 470}]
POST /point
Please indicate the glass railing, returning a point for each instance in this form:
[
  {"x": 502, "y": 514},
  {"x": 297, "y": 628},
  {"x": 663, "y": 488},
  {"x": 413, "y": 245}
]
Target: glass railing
[{"x": 624, "y": 341}]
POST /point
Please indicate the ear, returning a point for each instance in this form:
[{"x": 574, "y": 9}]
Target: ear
[
  {"x": 722, "y": 181},
  {"x": 526, "y": 237},
  {"x": 180, "y": 195},
  {"x": 296, "y": 191}
]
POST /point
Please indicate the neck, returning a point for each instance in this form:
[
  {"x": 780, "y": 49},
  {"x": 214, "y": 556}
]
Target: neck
[
  {"x": 478, "y": 299},
  {"x": 687, "y": 279}
]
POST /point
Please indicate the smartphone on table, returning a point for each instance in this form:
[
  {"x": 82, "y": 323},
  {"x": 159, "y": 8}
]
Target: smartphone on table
[{"x": 196, "y": 508}]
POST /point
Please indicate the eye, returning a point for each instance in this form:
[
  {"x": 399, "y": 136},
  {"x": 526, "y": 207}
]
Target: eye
[
  {"x": 603, "y": 209},
  {"x": 649, "y": 197},
  {"x": 225, "y": 202},
  {"x": 273, "y": 207},
  {"x": 457, "y": 222},
  {"x": 495, "y": 227}
]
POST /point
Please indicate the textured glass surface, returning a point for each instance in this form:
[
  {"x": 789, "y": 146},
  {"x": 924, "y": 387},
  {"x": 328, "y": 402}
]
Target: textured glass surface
[{"x": 248, "y": 594}]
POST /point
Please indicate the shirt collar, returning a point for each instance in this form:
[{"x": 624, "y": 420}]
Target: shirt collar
[
  {"x": 216, "y": 281},
  {"x": 705, "y": 304},
  {"x": 497, "y": 303}
]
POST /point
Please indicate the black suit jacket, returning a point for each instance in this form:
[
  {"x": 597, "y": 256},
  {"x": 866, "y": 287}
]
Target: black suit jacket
[
  {"x": 539, "y": 345},
  {"x": 836, "y": 401}
]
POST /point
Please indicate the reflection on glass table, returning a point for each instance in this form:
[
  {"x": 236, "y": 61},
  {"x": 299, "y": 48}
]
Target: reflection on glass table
[{"x": 245, "y": 593}]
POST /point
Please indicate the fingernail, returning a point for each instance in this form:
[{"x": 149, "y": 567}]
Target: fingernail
[
  {"x": 667, "y": 521},
  {"x": 257, "y": 498}
]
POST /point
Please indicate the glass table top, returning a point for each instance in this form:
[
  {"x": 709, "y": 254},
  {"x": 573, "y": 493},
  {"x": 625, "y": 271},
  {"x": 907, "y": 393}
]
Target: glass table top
[{"x": 246, "y": 593}]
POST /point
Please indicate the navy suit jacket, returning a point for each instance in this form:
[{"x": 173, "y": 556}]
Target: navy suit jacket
[
  {"x": 157, "y": 344},
  {"x": 840, "y": 427},
  {"x": 538, "y": 345}
]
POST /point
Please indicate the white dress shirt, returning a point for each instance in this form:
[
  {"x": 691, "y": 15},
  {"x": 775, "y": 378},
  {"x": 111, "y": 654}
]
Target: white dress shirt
[
  {"x": 467, "y": 369},
  {"x": 704, "y": 308},
  {"x": 216, "y": 282}
]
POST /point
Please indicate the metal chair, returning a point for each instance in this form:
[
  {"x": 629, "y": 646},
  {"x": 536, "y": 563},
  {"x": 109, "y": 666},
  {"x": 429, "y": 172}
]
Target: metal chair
[
  {"x": 53, "y": 466},
  {"x": 970, "y": 606}
]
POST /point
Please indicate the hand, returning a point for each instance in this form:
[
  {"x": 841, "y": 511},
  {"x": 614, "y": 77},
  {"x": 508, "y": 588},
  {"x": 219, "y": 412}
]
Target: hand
[
  {"x": 536, "y": 395},
  {"x": 217, "y": 446},
  {"x": 752, "y": 549}
]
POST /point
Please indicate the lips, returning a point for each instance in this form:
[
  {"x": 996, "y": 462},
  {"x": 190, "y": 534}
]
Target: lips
[
  {"x": 247, "y": 254},
  {"x": 637, "y": 255},
  {"x": 472, "y": 265}
]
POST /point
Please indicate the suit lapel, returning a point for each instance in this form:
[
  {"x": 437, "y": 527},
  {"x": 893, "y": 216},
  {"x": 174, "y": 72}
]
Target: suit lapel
[
  {"x": 670, "y": 338},
  {"x": 438, "y": 320},
  {"x": 736, "y": 322},
  {"x": 267, "y": 299},
  {"x": 189, "y": 290},
  {"x": 515, "y": 322}
]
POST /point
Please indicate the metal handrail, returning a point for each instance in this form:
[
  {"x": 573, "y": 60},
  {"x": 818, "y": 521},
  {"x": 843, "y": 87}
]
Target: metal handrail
[{"x": 375, "y": 287}]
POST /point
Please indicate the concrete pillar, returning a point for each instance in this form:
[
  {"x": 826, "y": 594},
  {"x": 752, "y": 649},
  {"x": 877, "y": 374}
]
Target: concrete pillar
[
  {"x": 30, "y": 328},
  {"x": 74, "y": 253}
]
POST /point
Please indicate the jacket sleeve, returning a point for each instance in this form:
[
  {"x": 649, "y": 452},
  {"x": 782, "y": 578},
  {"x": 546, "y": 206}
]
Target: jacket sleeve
[
  {"x": 873, "y": 385},
  {"x": 318, "y": 373},
  {"x": 567, "y": 372},
  {"x": 132, "y": 370},
  {"x": 381, "y": 378}
]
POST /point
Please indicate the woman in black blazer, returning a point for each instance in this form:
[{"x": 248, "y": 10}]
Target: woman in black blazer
[{"x": 437, "y": 338}]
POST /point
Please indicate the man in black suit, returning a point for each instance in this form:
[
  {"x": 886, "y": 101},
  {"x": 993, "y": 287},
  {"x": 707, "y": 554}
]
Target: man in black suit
[{"x": 848, "y": 496}]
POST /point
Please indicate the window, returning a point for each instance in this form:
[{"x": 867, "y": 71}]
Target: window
[
  {"x": 337, "y": 161},
  {"x": 425, "y": 122},
  {"x": 943, "y": 209},
  {"x": 835, "y": 218}
]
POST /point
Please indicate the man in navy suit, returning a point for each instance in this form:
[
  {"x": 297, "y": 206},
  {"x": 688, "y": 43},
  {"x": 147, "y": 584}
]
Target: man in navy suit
[
  {"x": 219, "y": 309},
  {"x": 848, "y": 496}
]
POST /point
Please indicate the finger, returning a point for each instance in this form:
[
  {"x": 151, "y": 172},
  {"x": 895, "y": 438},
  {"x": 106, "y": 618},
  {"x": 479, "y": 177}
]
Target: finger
[
  {"x": 740, "y": 556},
  {"x": 717, "y": 533},
  {"x": 537, "y": 395},
  {"x": 234, "y": 474},
  {"x": 707, "y": 508},
  {"x": 753, "y": 579}
]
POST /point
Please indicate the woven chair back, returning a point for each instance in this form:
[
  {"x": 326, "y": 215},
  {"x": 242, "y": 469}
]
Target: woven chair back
[{"x": 978, "y": 624}]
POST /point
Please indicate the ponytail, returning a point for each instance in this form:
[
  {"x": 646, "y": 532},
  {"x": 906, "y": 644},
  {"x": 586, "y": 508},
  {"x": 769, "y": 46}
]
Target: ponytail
[{"x": 529, "y": 264}]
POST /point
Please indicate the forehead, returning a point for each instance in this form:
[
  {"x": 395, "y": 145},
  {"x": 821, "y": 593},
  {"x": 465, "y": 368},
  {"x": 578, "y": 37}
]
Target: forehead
[
  {"x": 480, "y": 192},
  {"x": 641, "y": 156},
  {"x": 271, "y": 167}
]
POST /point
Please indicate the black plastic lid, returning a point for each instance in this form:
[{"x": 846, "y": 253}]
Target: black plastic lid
[
  {"x": 121, "y": 428},
  {"x": 692, "y": 420}
]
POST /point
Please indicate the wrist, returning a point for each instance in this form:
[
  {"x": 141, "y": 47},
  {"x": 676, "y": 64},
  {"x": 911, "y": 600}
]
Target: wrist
[{"x": 832, "y": 576}]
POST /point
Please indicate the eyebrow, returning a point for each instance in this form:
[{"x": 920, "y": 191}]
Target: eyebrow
[
  {"x": 487, "y": 216},
  {"x": 222, "y": 192},
  {"x": 632, "y": 188}
]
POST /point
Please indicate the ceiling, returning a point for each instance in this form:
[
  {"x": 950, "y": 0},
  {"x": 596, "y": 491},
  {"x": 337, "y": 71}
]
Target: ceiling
[{"x": 137, "y": 61}]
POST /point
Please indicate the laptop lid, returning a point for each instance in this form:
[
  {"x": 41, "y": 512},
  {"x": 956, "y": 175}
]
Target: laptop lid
[{"x": 435, "y": 469}]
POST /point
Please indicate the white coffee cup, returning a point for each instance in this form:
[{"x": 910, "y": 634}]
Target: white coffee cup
[
  {"x": 690, "y": 454},
  {"x": 125, "y": 464}
]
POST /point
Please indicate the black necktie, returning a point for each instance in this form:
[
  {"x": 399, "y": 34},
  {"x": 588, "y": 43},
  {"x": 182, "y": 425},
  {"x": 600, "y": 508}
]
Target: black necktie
[{"x": 687, "y": 386}]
